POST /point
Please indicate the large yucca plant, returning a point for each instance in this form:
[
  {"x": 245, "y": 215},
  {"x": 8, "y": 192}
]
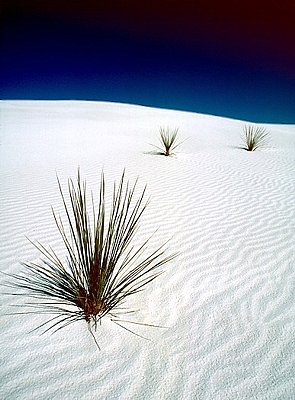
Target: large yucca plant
[
  {"x": 168, "y": 140},
  {"x": 254, "y": 137},
  {"x": 102, "y": 268}
]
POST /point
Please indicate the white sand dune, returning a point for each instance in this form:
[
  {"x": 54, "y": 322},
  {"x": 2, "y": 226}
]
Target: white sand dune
[{"x": 228, "y": 300}]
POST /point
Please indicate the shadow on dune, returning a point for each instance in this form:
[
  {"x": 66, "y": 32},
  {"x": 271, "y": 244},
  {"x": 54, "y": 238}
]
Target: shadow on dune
[
  {"x": 237, "y": 147},
  {"x": 154, "y": 153}
]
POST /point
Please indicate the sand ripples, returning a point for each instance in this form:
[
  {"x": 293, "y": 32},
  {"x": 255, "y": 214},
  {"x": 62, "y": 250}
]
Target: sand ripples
[{"x": 227, "y": 301}]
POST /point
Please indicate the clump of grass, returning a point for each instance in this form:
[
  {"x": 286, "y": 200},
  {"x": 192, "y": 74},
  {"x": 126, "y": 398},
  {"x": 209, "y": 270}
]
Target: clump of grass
[
  {"x": 102, "y": 268},
  {"x": 254, "y": 137},
  {"x": 168, "y": 140}
]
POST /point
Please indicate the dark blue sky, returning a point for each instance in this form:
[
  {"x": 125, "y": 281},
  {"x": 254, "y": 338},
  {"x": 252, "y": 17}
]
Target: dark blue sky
[{"x": 216, "y": 59}]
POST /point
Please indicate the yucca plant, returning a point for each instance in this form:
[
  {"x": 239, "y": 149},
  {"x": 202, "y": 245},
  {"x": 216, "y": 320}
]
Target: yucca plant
[
  {"x": 168, "y": 140},
  {"x": 254, "y": 137},
  {"x": 102, "y": 268}
]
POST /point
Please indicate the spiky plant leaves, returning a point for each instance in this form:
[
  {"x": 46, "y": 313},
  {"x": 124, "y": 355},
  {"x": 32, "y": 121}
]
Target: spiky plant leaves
[
  {"x": 102, "y": 268},
  {"x": 254, "y": 137},
  {"x": 168, "y": 140}
]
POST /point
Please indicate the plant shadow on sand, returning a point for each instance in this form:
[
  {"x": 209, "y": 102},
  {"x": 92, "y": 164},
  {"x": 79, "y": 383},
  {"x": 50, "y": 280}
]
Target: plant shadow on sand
[
  {"x": 154, "y": 153},
  {"x": 237, "y": 147}
]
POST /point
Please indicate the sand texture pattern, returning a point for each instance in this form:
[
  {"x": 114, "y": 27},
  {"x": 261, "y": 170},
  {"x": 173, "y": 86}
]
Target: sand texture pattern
[{"x": 227, "y": 301}]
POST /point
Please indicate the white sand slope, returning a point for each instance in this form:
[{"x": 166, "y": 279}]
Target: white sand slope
[{"x": 228, "y": 300}]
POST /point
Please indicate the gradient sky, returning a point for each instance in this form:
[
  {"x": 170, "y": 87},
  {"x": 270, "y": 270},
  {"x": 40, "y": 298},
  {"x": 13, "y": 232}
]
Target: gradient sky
[{"x": 229, "y": 58}]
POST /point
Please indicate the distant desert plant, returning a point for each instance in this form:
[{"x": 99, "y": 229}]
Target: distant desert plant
[
  {"x": 168, "y": 140},
  {"x": 254, "y": 137},
  {"x": 102, "y": 268}
]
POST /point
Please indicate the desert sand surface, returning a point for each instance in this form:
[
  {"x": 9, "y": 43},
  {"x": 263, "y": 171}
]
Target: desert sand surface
[{"x": 227, "y": 302}]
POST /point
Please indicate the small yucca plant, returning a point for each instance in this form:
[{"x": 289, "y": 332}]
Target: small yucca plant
[
  {"x": 102, "y": 268},
  {"x": 168, "y": 140},
  {"x": 254, "y": 137}
]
